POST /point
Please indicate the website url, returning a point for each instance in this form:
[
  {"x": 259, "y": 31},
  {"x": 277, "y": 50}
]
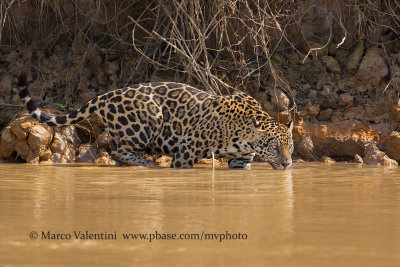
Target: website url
[{"x": 185, "y": 236}]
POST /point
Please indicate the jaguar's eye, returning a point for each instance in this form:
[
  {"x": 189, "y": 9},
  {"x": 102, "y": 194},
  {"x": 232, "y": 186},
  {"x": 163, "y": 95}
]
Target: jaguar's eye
[{"x": 275, "y": 147}]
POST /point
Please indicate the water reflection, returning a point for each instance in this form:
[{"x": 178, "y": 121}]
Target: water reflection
[{"x": 288, "y": 187}]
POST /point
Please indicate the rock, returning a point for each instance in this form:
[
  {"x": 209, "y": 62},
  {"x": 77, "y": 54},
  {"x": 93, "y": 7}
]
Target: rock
[
  {"x": 304, "y": 147},
  {"x": 94, "y": 56},
  {"x": 6, "y": 143},
  {"x": 27, "y": 138},
  {"x": 104, "y": 159},
  {"x": 346, "y": 99},
  {"x": 12, "y": 57},
  {"x": 59, "y": 144},
  {"x": 395, "y": 75},
  {"x": 159, "y": 76},
  {"x": 341, "y": 139},
  {"x": 312, "y": 111},
  {"x": 372, "y": 68},
  {"x": 65, "y": 143},
  {"x": 111, "y": 67},
  {"x": 394, "y": 106},
  {"x": 325, "y": 115},
  {"x": 278, "y": 58},
  {"x": 25, "y": 152},
  {"x": 294, "y": 59},
  {"x": 21, "y": 129},
  {"x": 15, "y": 99},
  {"x": 101, "y": 77},
  {"x": 279, "y": 99},
  {"x": 354, "y": 113},
  {"x": 353, "y": 61},
  {"x": 46, "y": 155},
  {"x": 68, "y": 8},
  {"x": 396, "y": 46},
  {"x": 35, "y": 142},
  {"x": 103, "y": 141},
  {"x": 358, "y": 159},
  {"x": 331, "y": 64},
  {"x": 46, "y": 162},
  {"x": 375, "y": 157},
  {"x": 94, "y": 83},
  {"x": 377, "y": 111},
  {"x": 294, "y": 74},
  {"x": 393, "y": 146},
  {"x": 87, "y": 153},
  {"x": 58, "y": 158},
  {"x": 164, "y": 161},
  {"x": 6, "y": 81},
  {"x": 332, "y": 49},
  {"x": 114, "y": 78},
  {"x": 340, "y": 56},
  {"x": 39, "y": 139},
  {"x": 79, "y": 46},
  {"x": 328, "y": 160},
  {"x": 282, "y": 117},
  {"x": 208, "y": 162}
]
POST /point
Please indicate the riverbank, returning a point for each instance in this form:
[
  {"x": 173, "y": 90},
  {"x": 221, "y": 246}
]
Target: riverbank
[{"x": 343, "y": 74}]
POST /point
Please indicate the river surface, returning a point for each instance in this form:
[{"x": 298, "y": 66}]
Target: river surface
[{"x": 312, "y": 215}]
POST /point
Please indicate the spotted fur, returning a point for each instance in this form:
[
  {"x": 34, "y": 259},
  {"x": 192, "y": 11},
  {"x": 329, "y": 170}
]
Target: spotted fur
[{"x": 177, "y": 119}]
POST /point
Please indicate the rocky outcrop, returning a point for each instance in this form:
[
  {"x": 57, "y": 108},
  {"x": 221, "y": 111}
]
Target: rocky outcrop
[
  {"x": 338, "y": 140},
  {"x": 27, "y": 139},
  {"x": 345, "y": 140}
]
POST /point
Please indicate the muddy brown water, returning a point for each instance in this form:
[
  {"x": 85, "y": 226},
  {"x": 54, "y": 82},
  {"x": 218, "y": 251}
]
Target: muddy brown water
[{"x": 312, "y": 215}]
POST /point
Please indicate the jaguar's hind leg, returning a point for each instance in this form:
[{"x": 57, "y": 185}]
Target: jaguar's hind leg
[
  {"x": 185, "y": 157},
  {"x": 130, "y": 157}
]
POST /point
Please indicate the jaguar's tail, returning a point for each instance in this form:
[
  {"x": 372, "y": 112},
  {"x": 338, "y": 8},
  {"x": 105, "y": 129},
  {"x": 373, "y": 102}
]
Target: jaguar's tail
[{"x": 54, "y": 120}]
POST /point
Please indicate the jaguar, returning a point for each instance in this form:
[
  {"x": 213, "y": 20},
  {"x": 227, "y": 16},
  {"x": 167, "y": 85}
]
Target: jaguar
[{"x": 180, "y": 120}]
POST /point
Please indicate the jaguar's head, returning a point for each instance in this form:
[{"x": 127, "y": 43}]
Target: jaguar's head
[{"x": 274, "y": 143}]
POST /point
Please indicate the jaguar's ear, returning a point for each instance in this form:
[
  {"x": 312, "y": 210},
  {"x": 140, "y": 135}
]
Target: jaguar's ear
[
  {"x": 258, "y": 125},
  {"x": 290, "y": 125}
]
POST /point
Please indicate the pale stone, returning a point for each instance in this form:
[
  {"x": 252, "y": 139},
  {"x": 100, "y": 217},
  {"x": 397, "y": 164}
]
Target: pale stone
[
  {"x": 372, "y": 68},
  {"x": 279, "y": 99},
  {"x": 373, "y": 156}
]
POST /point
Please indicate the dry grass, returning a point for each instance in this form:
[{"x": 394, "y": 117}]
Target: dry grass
[{"x": 220, "y": 46}]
